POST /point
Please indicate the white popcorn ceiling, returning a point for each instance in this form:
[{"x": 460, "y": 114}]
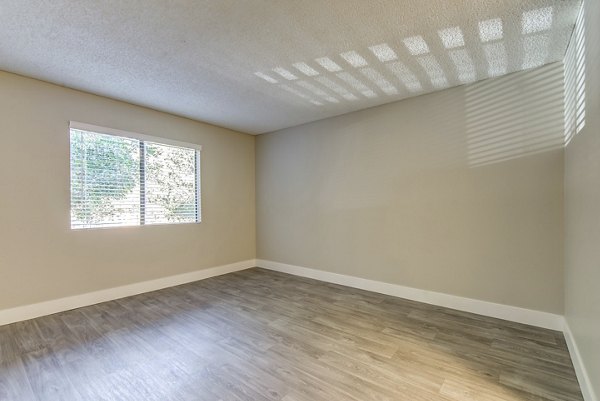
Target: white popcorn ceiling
[{"x": 259, "y": 66}]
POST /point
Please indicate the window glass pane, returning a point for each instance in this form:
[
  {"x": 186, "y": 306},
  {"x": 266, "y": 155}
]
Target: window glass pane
[
  {"x": 105, "y": 178},
  {"x": 170, "y": 186}
]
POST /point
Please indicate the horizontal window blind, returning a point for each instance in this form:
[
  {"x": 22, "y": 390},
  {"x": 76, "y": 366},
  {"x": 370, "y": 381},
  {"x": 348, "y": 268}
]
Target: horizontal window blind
[
  {"x": 105, "y": 179},
  {"x": 171, "y": 184},
  {"x": 122, "y": 181}
]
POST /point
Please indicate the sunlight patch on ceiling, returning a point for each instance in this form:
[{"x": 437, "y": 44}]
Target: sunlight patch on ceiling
[
  {"x": 328, "y": 64},
  {"x": 416, "y": 45},
  {"x": 535, "y": 51},
  {"x": 354, "y": 59},
  {"x": 285, "y": 73},
  {"x": 384, "y": 52},
  {"x": 306, "y": 69},
  {"x": 357, "y": 85},
  {"x": 266, "y": 77},
  {"x": 495, "y": 53},
  {"x": 452, "y": 37},
  {"x": 375, "y": 71},
  {"x": 464, "y": 65},
  {"x": 536, "y": 41},
  {"x": 340, "y": 90},
  {"x": 490, "y": 30},
  {"x": 317, "y": 91},
  {"x": 301, "y": 95},
  {"x": 406, "y": 76},
  {"x": 434, "y": 70},
  {"x": 226, "y": 62},
  {"x": 537, "y": 20},
  {"x": 378, "y": 79}
]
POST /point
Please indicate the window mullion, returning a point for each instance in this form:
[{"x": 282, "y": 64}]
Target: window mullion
[
  {"x": 142, "y": 183},
  {"x": 197, "y": 184}
]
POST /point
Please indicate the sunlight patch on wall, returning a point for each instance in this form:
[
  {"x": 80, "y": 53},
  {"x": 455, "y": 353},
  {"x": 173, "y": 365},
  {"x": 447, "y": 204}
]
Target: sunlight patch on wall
[
  {"x": 575, "y": 70},
  {"x": 501, "y": 126}
]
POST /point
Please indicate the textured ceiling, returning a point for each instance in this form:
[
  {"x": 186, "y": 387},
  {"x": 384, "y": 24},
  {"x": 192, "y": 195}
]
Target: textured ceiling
[{"x": 258, "y": 66}]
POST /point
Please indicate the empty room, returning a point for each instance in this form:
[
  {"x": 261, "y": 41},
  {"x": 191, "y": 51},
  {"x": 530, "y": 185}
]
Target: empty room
[{"x": 344, "y": 200}]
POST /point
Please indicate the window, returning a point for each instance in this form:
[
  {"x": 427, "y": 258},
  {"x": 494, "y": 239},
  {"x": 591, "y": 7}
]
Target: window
[{"x": 123, "y": 179}]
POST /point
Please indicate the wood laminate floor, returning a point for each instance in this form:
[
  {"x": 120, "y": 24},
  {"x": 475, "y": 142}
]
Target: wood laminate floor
[{"x": 261, "y": 335}]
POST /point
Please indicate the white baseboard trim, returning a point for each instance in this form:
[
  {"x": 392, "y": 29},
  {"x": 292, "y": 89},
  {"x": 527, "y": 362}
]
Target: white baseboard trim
[
  {"x": 26, "y": 312},
  {"x": 580, "y": 370},
  {"x": 506, "y": 312}
]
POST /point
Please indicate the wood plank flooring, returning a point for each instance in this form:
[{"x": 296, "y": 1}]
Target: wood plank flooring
[{"x": 261, "y": 335}]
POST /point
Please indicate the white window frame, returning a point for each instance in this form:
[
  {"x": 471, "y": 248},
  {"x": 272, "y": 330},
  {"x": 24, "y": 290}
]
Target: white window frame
[{"x": 146, "y": 138}]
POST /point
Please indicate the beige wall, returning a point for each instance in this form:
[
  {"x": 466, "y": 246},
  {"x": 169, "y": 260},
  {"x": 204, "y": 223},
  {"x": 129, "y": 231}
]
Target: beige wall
[
  {"x": 42, "y": 259},
  {"x": 582, "y": 194},
  {"x": 415, "y": 192}
]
